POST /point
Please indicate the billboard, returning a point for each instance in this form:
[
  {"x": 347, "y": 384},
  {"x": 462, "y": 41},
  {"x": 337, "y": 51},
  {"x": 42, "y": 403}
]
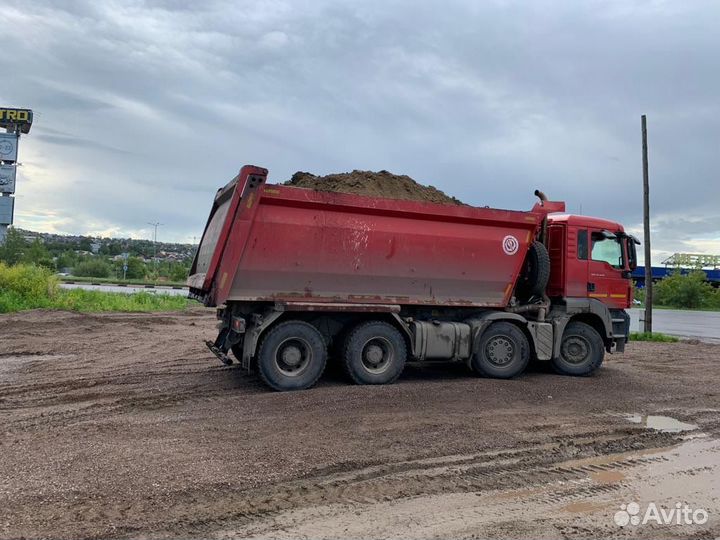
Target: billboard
[
  {"x": 7, "y": 178},
  {"x": 7, "y": 205},
  {"x": 8, "y": 146},
  {"x": 16, "y": 119}
]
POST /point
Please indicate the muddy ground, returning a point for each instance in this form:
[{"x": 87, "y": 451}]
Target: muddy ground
[
  {"x": 118, "y": 426},
  {"x": 374, "y": 184}
]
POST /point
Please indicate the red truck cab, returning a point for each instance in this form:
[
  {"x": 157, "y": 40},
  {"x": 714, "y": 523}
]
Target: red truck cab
[{"x": 590, "y": 258}]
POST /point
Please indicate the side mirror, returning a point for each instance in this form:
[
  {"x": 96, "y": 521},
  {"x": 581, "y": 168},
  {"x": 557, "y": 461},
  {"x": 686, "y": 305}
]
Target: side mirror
[{"x": 632, "y": 252}]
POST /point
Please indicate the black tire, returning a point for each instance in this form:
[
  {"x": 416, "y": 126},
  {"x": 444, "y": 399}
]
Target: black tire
[
  {"x": 503, "y": 351},
  {"x": 374, "y": 353},
  {"x": 291, "y": 356},
  {"x": 536, "y": 272},
  {"x": 581, "y": 350}
]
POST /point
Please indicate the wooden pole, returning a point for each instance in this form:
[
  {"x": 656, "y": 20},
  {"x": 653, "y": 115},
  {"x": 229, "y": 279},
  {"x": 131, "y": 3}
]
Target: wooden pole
[{"x": 646, "y": 227}]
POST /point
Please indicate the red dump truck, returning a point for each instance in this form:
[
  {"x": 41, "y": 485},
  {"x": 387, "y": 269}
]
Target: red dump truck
[{"x": 296, "y": 273}]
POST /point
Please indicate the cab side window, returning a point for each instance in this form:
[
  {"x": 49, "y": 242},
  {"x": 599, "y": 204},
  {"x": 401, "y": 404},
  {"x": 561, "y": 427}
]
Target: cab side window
[
  {"x": 582, "y": 245},
  {"x": 607, "y": 250}
]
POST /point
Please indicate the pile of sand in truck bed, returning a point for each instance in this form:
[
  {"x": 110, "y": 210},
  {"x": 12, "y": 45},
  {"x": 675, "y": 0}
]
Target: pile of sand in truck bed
[{"x": 374, "y": 184}]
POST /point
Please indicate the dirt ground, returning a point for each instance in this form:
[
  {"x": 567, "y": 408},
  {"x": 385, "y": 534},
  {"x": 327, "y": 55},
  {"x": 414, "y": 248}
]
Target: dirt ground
[
  {"x": 376, "y": 184},
  {"x": 116, "y": 426}
]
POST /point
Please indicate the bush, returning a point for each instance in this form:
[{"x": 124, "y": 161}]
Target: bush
[
  {"x": 92, "y": 268},
  {"x": 26, "y": 287},
  {"x": 639, "y": 295},
  {"x": 689, "y": 291}
]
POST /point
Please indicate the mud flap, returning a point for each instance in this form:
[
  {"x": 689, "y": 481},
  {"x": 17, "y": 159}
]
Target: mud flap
[{"x": 217, "y": 347}]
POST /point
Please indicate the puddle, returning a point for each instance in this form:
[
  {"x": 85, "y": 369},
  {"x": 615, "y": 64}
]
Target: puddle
[{"x": 665, "y": 424}]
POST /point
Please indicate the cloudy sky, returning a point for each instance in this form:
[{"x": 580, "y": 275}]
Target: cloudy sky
[{"x": 144, "y": 108}]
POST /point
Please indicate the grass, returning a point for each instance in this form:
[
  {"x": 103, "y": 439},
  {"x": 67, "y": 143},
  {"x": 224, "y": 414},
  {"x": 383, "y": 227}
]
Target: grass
[
  {"x": 24, "y": 287},
  {"x": 94, "y": 301},
  {"x": 654, "y": 336}
]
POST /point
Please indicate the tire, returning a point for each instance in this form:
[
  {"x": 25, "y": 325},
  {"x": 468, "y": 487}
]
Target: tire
[
  {"x": 291, "y": 356},
  {"x": 374, "y": 353},
  {"x": 536, "y": 272},
  {"x": 503, "y": 351},
  {"x": 582, "y": 350}
]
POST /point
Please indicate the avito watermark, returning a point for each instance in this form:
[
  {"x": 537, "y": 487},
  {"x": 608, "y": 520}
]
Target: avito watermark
[{"x": 680, "y": 514}]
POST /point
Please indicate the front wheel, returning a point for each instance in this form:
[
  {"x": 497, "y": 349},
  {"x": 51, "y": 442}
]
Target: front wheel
[
  {"x": 291, "y": 356},
  {"x": 503, "y": 351},
  {"x": 581, "y": 351}
]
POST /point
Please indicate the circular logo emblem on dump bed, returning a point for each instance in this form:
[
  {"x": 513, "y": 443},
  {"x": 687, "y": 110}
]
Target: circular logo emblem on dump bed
[{"x": 510, "y": 245}]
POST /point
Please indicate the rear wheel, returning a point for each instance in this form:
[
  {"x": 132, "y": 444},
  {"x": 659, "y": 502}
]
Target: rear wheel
[
  {"x": 374, "y": 353},
  {"x": 581, "y": 350},
  {"x": 503, "y": 351},
  {"x": 292, "y": 356}
]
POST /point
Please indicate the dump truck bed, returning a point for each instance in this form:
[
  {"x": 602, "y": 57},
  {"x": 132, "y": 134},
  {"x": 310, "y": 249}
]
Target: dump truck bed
[{"x": 273, "y": 243}]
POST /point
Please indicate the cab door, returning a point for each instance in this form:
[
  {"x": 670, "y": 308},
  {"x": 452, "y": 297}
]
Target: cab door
[{"x": 606, "y": 266}]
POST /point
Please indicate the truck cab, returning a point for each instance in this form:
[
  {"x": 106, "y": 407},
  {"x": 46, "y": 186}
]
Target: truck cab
[
  {"x": 591, "y": 261},
  {"x": 590, "y": 258}
]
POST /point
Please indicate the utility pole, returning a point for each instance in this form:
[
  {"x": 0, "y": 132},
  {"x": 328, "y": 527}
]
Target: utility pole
[
  {"x": 155, "y": 224},
  {"x": 646, "y": 227}
]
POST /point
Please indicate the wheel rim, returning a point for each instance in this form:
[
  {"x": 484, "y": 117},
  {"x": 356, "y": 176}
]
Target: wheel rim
[
  {"x": 293, "y": 356},
  {"x": 500, "y": 351},
  {"x": 377, "y": 355},
  {"x": 575, "y": 349}
]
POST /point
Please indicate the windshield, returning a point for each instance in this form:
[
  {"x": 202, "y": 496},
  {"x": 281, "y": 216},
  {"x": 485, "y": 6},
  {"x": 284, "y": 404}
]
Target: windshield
[{"x": 607, "y": 250}]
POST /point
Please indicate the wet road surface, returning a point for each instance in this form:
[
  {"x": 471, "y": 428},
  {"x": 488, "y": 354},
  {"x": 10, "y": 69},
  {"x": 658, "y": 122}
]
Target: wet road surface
[{"x": 704, "y": 325}]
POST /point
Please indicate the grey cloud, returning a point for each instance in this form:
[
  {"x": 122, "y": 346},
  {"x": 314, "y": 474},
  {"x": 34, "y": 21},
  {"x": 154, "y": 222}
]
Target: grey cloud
[
  {"x": 69, "y": 140},
  {"x": 486, "y": 100}
]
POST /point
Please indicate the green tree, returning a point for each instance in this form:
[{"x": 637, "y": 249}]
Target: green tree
[
  {"x": 37, "y": 253},
  {"x": 178, "y": 272},
  {"x": 92, "y": 268},
  {"x": 85, "y": 244},
  {"x": 67, "y": 259},
  {"x": 136, "y": 268},
  {"x": 14, "y": 247},
  {"x": 112, "y": 248}
]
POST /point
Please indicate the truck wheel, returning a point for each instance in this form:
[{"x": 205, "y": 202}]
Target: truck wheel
[
  {"x": 291, "y": 356},
  {"x": 374, "y": 353},
  {"x": 581, "y": 350},
  {"x": 536, "y": 272},
  {"x": 503, "y": 351}
]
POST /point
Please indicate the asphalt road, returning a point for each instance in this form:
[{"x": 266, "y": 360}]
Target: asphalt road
[
  {"x": 126, "y": 289},
  {"x": 704, "y": 325}
]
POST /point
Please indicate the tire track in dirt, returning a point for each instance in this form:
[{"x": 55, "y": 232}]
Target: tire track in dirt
[{"x": 512, "y": 469}]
